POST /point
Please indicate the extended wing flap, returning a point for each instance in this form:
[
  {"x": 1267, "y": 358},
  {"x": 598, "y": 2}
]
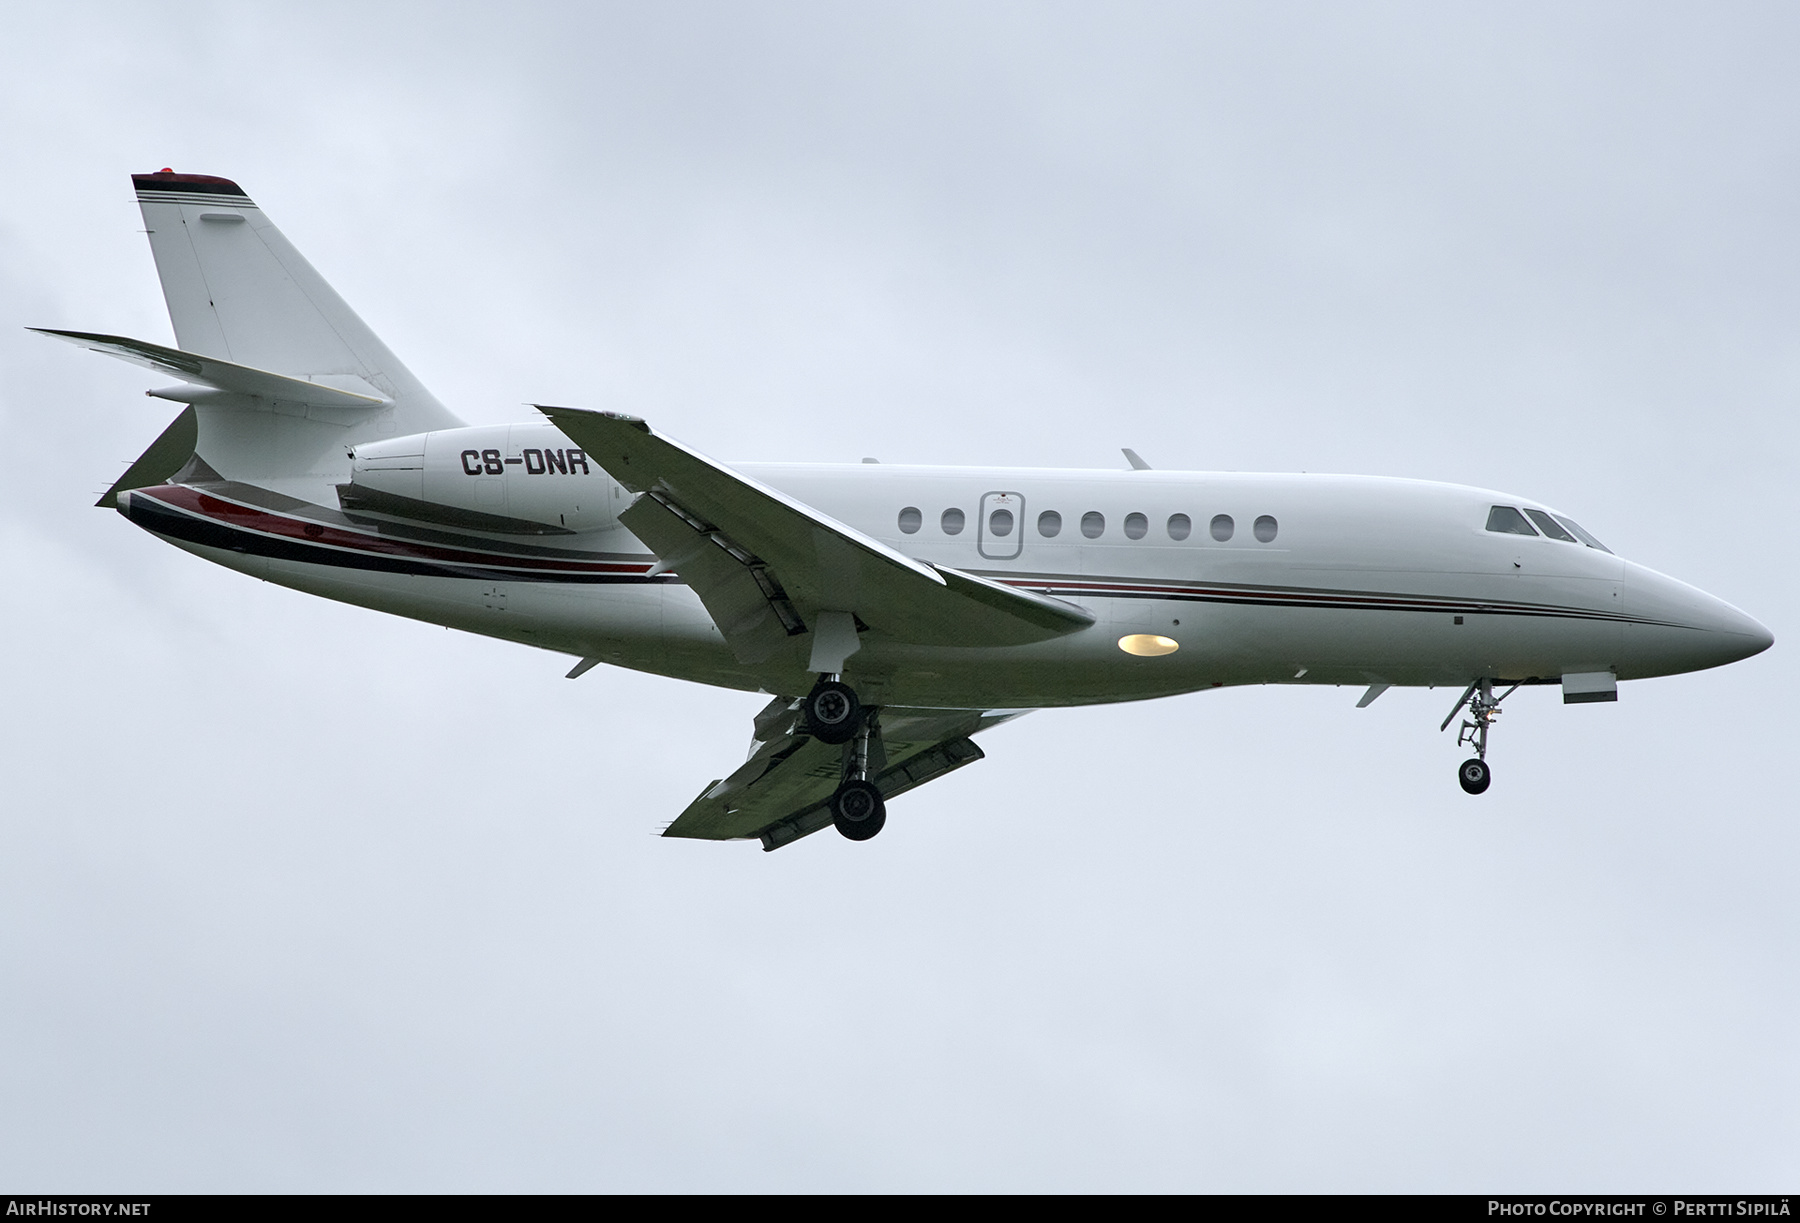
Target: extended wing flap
[
  {"x": 769, "y": 787},
  {"x": 739, "y": 595},
  {"x": 215, "y": 374},
  {"x": 780, "y": 793},
  {"x": 816, "y": 562},
  {"x": 915, "y": 770}
]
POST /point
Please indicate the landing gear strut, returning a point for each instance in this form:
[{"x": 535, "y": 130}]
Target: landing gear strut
[
  {"x": 833, "y": 714},
  {"x": 857, "y": 809},
  {"x": 1474, "y": 775}
]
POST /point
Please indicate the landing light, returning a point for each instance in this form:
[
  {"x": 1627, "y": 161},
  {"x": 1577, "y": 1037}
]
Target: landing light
[{"x": 1148, "y": 645}]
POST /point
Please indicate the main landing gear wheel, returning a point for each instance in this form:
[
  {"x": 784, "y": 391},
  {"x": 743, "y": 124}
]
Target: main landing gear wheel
[
  {"x": 832, "y": 712},
  {"x": 858, "y": 810},
  {"x": 1474, "y": 776}
]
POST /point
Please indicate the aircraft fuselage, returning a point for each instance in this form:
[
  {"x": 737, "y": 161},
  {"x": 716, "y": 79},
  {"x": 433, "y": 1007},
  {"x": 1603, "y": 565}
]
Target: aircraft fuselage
[{"x": 1218, "y": 579}]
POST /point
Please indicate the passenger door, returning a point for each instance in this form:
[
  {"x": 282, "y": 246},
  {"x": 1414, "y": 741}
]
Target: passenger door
[{"x": 1000, "y": 530}]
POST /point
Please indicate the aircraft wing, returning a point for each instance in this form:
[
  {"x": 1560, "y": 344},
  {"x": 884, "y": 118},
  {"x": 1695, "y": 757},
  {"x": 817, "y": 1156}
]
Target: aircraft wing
[
  {"x": 214, "y": 373},
  {"x": 764, "y": 563},
  {"x": 780, "y": 793}
]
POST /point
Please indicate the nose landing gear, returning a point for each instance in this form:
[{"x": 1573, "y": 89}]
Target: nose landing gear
[{"x": 1474, "y": 775}]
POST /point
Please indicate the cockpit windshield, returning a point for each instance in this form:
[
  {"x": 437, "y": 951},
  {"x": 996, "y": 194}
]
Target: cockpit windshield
[
  {"x": 1582, "y": 535},
  {"x": 1549, "y": 526},
  {"x": 1507, "y": 520}
]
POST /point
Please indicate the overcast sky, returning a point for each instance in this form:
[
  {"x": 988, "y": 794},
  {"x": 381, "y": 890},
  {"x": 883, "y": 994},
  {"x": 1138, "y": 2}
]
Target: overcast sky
[{"x": 294, "y": 896}]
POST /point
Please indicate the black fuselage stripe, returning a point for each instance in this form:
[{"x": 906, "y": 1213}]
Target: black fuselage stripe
[
  {"x": 463, "y": 552},
  {"x": 1371, "y": 604},
  {"x": 155, "y": 516},
  {"x": 172, "y": 524},
  {"x": 1304, "y": 598}
]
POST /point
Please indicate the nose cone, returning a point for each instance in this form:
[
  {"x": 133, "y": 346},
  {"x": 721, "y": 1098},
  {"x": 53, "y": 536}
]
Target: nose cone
[
  {"x": 1756, "y": 637},
  {"x": 1675, "y": 627},
  {"x": 1738, "y": 637}
]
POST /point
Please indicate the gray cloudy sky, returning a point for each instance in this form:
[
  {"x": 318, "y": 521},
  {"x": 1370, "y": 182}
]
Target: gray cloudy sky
[{"x": 295, "y": 896}]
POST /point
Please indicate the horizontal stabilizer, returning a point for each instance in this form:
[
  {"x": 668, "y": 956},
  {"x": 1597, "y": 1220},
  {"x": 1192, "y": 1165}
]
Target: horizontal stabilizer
[{"x": 213, "y": 374}]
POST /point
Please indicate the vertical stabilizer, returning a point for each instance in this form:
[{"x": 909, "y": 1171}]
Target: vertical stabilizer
[{"x": 237, "y": 289}]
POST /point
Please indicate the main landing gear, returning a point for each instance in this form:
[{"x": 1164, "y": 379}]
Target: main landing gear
[
  {"x": 1474, "y": 775},
  {"x": 857, "y": 809},
  {"x": 832, "y": 711},
  {"x": 834, "y": 715}
]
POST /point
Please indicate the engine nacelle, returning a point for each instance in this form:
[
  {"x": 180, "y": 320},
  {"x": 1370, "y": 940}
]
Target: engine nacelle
[{"x": 517, "y": 479}]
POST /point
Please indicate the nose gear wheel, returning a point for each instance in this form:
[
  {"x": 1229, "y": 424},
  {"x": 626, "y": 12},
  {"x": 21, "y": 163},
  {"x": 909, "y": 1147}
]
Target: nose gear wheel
[
  {"x": 1484, "y": 707},
  {"x": 1474, "y": 776}
]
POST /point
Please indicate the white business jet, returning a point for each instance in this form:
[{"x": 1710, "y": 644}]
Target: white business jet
[{"x": 891, "y": 612}]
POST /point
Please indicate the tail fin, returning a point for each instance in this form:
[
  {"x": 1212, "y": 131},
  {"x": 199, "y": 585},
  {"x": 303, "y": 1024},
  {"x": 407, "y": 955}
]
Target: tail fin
[{"x": 238, "y": 290}]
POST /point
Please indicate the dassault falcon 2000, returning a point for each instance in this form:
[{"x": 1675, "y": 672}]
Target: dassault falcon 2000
[{"x": 890, "y": 612}]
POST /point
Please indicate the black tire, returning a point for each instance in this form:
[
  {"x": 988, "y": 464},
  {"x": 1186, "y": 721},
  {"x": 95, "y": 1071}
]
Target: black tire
[
  {"x": 832, "y": 712},
  {"x": 1474, "y": 776},
  {"x": 858, "y": 810}
]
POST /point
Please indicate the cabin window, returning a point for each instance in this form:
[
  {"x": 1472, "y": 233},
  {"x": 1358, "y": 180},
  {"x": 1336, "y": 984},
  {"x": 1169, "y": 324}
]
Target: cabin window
[
  {"x": 1222, "y": 527},
  {"x": 911, "y": 519},
  {"x": 1136, "y": 526},
  {"x": 1508, "y": 521},
  {"x": 1549, "y": 526},
  {"x": 1093, "y": 524},
  {"x": 952, "y": 521},
  {"x": 1582, "y": 535},
  {"x": 1049, "y": 524},
  {"x": 1000, "y": 523},
  {"x": 1265, "y": 528},
  {"x": 1180, "y": 526}
]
